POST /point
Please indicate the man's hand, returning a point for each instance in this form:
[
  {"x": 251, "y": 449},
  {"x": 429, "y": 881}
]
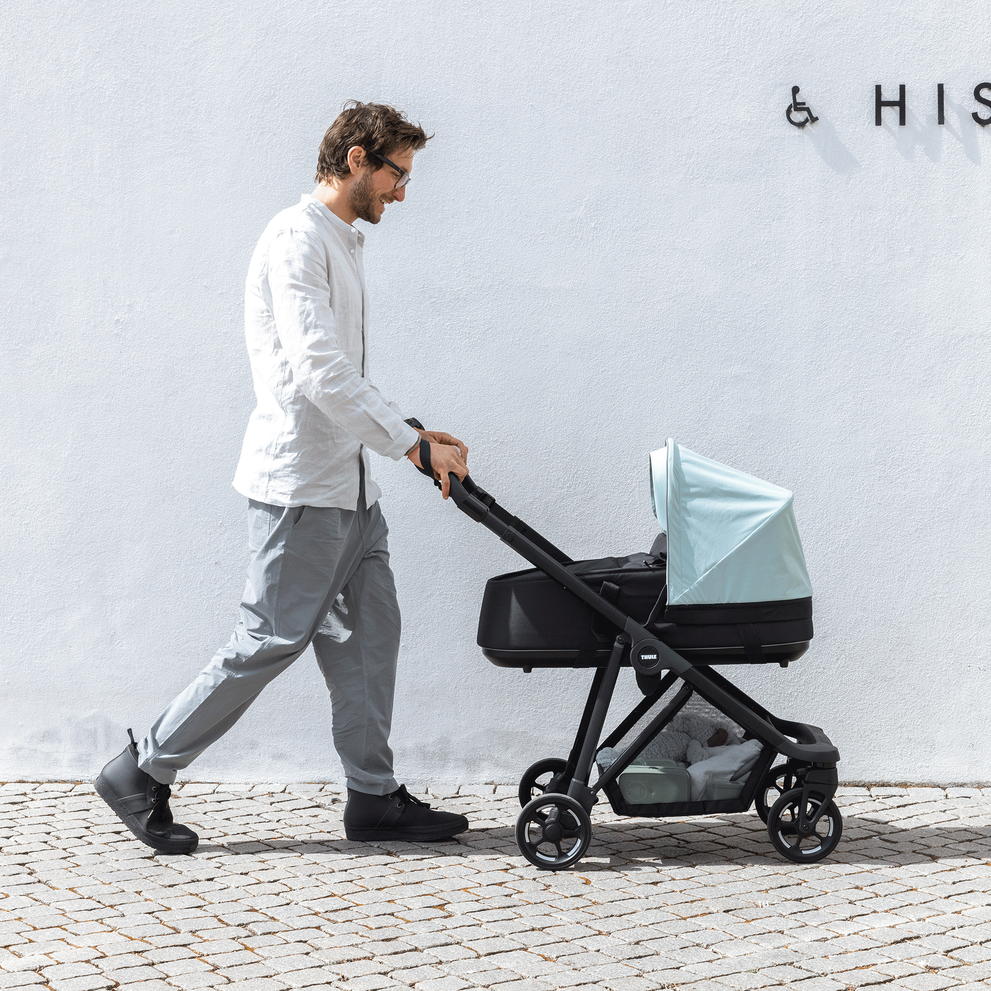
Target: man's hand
[
  {"x": 439, "y": 437},
  {"x": 447, "y": 455}
]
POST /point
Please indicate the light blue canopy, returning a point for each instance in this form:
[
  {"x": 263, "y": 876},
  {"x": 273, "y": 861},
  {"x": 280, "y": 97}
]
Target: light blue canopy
[{"x": 731, "y": 537}]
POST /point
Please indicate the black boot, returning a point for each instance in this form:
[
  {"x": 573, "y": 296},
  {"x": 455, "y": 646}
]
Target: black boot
[
  {"x": 398, "y": 816},
  {"x": 142, "y": 803}
]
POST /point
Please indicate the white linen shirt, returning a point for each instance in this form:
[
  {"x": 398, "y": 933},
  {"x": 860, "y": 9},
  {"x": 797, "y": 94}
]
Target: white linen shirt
[{"x": 305, "y": 315}]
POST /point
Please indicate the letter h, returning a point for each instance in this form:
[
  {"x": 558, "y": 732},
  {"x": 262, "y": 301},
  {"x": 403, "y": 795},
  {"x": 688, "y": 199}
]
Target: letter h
[{"x": 899, "y": 103}]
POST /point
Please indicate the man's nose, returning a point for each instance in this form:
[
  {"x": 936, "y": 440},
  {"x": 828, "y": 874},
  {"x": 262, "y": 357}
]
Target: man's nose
[{"x": 400, "y": 193}]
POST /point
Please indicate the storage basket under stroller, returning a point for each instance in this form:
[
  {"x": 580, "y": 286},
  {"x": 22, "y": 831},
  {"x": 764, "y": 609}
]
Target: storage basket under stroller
[{"x": 725, "y": 584}]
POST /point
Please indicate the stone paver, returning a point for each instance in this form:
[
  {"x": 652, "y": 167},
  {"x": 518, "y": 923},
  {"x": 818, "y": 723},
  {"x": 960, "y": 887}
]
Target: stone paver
[{"x": 275, "y": 899}]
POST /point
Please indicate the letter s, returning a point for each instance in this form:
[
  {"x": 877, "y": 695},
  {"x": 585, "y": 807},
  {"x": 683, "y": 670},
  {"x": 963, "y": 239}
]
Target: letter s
[{"x": 980, "y": 99}]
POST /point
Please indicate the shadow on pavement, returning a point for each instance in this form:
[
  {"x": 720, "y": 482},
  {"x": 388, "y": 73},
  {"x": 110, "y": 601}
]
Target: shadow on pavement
[{"x": 730, "y": 840}]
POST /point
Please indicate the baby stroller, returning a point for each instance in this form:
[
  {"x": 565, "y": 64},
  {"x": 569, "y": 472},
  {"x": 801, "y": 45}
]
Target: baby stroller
[{"x": 725, "y": 583}]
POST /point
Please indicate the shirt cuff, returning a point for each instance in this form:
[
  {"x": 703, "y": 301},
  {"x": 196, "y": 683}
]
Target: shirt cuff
[{"x": 414, "y": 438}]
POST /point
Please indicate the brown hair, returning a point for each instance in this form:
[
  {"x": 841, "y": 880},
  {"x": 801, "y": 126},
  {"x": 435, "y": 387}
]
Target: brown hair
[{"x": 377, "y": 128}]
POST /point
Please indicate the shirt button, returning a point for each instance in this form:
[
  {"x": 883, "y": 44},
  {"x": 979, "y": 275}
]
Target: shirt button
[{"x": 352, "y": 251}]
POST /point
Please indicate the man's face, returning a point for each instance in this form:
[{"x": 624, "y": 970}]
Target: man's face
[{"x": 377, "y": 187}]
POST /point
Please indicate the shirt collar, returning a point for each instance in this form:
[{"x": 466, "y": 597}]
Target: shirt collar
[{"x": 344, "y": 228}]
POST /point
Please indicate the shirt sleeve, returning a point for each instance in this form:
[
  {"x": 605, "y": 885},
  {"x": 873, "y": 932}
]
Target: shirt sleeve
[{"x": 322, "y": 371}]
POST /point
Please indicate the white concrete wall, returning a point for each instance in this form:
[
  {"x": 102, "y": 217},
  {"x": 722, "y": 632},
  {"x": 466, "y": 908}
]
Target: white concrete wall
[{"x": 614, "y": 237}]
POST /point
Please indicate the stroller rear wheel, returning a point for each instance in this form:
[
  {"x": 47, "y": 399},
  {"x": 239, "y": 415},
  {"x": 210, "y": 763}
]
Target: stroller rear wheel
[
  {"x": 783, "y": 827},
  {"x": 776, "y": 782},
  {"x": 540, "y": 778},
  {"x": 553, "y": 832}
]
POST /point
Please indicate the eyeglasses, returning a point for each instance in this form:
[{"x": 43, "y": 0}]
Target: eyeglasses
[{"x": 404, "y": 176}]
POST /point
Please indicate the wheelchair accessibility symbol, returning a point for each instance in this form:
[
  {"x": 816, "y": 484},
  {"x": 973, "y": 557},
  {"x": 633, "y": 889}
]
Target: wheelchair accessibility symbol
[{"x": 801, "y": 111}]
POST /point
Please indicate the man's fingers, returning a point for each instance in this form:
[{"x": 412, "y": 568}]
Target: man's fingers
[
  {"x": 442, "y": 437},
  {"x": 445, "y": 483},
  {"x": 446, "y": 459}
]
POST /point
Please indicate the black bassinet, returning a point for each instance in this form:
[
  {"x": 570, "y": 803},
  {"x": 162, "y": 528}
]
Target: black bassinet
[{"x": 529, "y": 620}]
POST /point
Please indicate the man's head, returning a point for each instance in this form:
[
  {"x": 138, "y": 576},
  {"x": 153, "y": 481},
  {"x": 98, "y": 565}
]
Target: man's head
[{"x": 369, "y": 149}]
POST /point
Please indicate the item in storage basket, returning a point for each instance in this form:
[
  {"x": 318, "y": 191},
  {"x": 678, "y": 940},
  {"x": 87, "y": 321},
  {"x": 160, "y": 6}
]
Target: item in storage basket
[
  {"x": 644, "y": 784},
  {"x": 718, "y": 791},
  {"x": 716, "y": 776}
]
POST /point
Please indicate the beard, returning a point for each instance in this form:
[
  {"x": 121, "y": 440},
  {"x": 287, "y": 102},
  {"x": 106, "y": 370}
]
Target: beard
[{"x": 362, "y": 200}]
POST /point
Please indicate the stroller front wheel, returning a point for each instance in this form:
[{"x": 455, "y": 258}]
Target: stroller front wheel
[
  {"x": 783, "y": 822},
  {"x": 542, "y": 777},
  {"x": 553, "y": 832}
]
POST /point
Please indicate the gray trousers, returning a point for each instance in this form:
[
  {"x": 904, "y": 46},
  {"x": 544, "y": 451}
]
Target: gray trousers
[{"x": 317, "y": 576}]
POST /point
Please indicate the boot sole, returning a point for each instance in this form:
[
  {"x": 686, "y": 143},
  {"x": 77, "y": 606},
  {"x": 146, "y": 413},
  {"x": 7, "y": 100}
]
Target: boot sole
[
  {"x": 373, "y": 834},
  {"x": 160, "y": 844}
]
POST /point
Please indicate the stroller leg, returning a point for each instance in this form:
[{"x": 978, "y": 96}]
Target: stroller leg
[
  {"x": 554, "y": 830},
  {"x": 562, "y": 771},
  {"x": 578, "y": 789},
  {"x": 583, "y": 725}
]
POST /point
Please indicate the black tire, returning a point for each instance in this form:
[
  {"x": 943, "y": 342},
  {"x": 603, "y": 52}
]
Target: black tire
[
  {"x": 776, "y": 782},
  {"x": 782, "y": 827},
  {"x": 553, "y": 832},
  {"x": 540, "y": 778}
]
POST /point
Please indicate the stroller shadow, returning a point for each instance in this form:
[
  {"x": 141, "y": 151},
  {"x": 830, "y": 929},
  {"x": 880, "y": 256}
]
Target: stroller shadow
[
  {"x": 865, "y": 843},
  {"x": 660, "y": 843}
]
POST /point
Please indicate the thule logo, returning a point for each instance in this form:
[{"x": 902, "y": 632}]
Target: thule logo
[{"x": 648, "y": 655}]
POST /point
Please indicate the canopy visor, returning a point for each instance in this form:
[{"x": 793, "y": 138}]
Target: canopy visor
[{"x": 731, "y": 537}]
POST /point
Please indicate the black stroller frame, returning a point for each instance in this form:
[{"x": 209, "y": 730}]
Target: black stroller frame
[{"x": 794, "y": 798}]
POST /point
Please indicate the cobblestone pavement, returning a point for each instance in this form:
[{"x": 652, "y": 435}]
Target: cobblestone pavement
[{"x": 275, "y": 898}]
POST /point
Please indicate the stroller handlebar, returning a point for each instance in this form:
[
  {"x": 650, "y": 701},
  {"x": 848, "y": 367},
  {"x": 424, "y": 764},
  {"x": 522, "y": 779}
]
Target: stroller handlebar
[
  {"x": 464, "y": 493},
  {"x": 482, "y": 508},
  {"x": 469, "y": 498}
]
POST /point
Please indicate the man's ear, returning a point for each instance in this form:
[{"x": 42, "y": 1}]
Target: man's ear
[{"x": 356, "y": 159}]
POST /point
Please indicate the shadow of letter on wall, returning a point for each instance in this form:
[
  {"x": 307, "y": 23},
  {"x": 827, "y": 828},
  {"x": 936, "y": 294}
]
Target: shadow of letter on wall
[{"x": 831, "y": 150}]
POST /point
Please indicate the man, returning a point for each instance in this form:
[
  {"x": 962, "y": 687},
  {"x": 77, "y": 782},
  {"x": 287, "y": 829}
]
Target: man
[{"x": 319, "y": 570}]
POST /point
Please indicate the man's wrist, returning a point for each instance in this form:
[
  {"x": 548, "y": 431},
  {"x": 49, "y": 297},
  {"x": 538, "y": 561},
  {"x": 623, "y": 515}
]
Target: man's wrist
[{"x": 416, "y": 425}]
